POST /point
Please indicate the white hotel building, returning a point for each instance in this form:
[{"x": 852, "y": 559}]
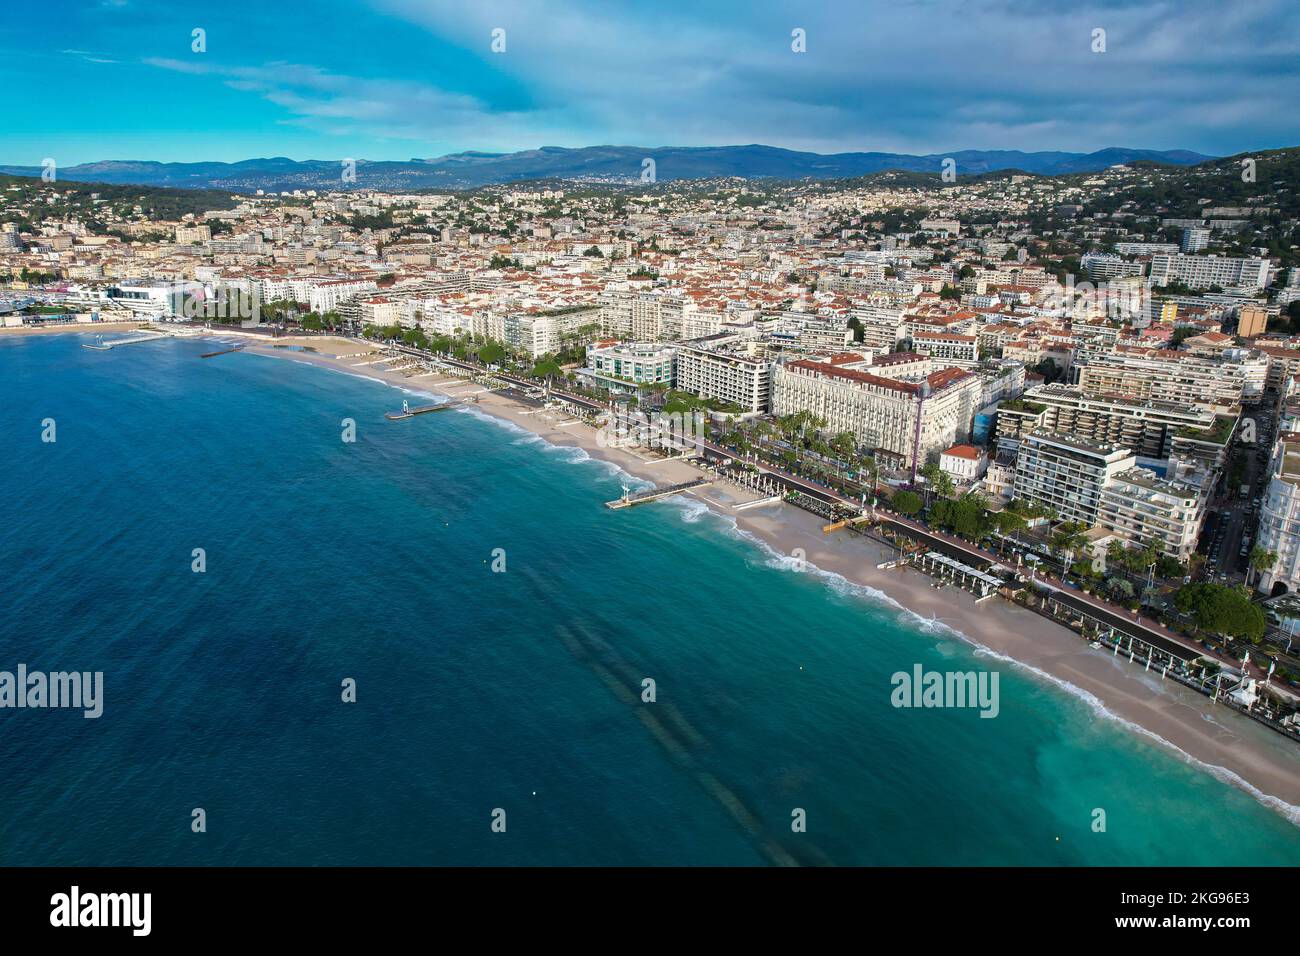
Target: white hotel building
[
  {"x": 325, "y": 296},
  {"x": 915, "y": 419}
]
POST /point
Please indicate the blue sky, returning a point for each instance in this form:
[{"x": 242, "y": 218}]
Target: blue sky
[{"x": 395, "y": 79}]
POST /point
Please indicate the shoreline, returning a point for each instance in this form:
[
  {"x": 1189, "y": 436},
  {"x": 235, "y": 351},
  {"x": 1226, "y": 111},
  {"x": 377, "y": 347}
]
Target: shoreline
[{"x": 1211, "y": 738}]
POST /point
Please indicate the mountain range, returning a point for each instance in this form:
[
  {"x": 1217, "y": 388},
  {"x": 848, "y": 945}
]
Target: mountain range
[{"x": 467, "y": 170}]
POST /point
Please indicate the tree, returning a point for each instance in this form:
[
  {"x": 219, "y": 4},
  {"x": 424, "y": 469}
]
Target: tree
[
  {"x": 547, "y": 368},
  {"x": 908, "y": 503},
  {"x": 844, "y": 444},
  {"x": 491, "y": 353},
  {"x": 938, "y": 479},
  {"x": 1262, "y": 559},
  {"x": 1008, "y": 522},
  {"x": 1049, "y": 370},
  {"x": 1117, "y": 554},
  {"x": 969, "y": 518},
  {"x": 1069, "y": 537},
  {"x": 1222, "y": 610}
]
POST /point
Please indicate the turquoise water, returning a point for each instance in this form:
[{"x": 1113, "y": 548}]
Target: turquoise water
[{"x": 479, "y": 690}]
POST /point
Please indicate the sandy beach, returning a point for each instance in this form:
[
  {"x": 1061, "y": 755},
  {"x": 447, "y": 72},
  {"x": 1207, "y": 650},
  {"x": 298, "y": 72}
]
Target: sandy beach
[
  {"x": 1212, "y": 737},
  {"x": 83, "y": 327}
]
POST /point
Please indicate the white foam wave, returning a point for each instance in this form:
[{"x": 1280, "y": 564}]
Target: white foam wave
[
  {"x": 693, "y": 509},
  {"x": 1288, "y": 811},
  {"x": 844, "y": 587}
]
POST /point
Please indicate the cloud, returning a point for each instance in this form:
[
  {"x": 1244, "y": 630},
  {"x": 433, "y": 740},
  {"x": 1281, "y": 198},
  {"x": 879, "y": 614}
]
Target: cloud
[
  {"x": 921, "y": 76},
  {"x": 89, "y": 56}
]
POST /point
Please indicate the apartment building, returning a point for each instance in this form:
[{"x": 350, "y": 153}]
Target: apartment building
[
  {"x": 1144, "y": 509},
  {"x": 1067, "y": 474},
  {"x": 882, "y": 327},
  {"x": 656, "y": 317},
  {"x": 325, "y": 296},
  {"x": 1102, "y": 265},
  {"x": 948, "y": 348},
  {"x": 188, "y": 234},
  {"x": 1283, "y": 364},
  {"x": 1001, "y": 379},
  {"x": 1200, "y": 272},
  {"x": 626, "y": 366},
  {"x": 1149, "y": 428},
  {"x": 1220, "y": 384},
  {"x": 543, "y": 334},
  {"x": 809, "y": 332},
  {"x": 718, "y": 367},
  {"x": 1144, "y": 248},
  {"x": 382, "y": 311},
  {"x": 1279, "y": 517},
  {"x": 914, "y": 419},
  {"x": 1194, "y": 239}
]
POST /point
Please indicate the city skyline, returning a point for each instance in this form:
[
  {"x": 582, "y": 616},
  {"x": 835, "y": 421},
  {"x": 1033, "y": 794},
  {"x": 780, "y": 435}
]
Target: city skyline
[{"x": 394, "y": 79}]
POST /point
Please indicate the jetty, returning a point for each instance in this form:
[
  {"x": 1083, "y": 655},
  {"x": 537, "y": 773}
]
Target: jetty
[
  {"x": 654, "y": 494},
  {"x": 101, "y": 346},
  {"x": 409, "y": 412},
  {"x": 237, "y": 348}
]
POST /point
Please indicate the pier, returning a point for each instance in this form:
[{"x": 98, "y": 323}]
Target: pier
[
  {"x": 409, "y": 412},
  {"x": 654, "y": 494},
  {"x": 101, "y": 346}
]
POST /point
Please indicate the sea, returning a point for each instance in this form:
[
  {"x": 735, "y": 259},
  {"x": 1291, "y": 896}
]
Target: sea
[{"x": 433, "y": 644}]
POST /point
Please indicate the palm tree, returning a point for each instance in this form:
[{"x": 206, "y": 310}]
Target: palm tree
[
  {"x": 1261, "y": 559},
  {"x": 1067, "y": 539}
]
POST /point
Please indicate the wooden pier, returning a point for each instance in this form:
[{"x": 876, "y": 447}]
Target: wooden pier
[{"x": 654, "y": 494}]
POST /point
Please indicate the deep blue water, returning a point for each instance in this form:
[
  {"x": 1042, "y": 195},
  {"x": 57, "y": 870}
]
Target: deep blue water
[{"x": 477, "y": 690}]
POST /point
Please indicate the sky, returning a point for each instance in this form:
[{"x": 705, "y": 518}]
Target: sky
[{"x": 398, "y": 79}]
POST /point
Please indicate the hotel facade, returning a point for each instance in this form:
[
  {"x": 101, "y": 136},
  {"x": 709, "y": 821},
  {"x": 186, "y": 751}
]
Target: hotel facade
[{"x": 914, "y": 419}]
